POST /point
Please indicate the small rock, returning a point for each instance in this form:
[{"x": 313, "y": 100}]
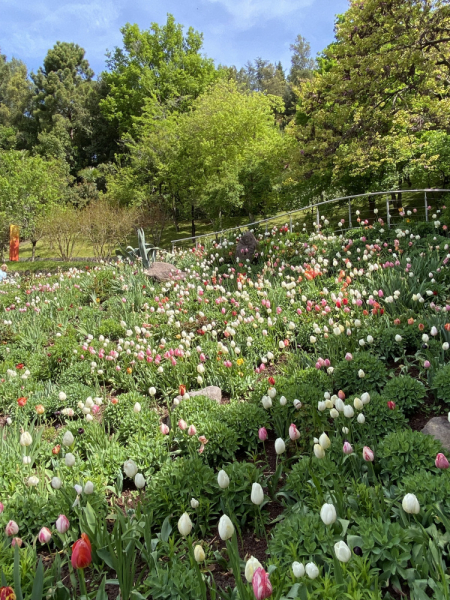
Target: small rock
[
  {"x": 246, "y": 246},
  {"x": 161, "y": 271},
  {"x": 211, "y": 391},
  {"x": 439, "y": 428}
]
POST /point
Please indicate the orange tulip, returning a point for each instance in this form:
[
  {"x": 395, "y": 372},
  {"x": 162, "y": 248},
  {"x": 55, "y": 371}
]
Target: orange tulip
[{"x": 7, "y": 593}]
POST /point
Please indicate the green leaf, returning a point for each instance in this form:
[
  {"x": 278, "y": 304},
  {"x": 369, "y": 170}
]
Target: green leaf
[
  {"x": 166, "y": 530},
  {"x": 38, "y": 583},
  {"x": 16, "y": 574}
]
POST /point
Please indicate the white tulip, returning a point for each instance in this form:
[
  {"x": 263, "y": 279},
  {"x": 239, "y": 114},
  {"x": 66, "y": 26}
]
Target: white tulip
[
  {"x": 445, "y": 346},
  {"x": 339, "y": 404},
  {"x": 257, "y": 495},
  {"x": 139, "y": 481},
  {"x": 199, "y": 554},
  {"x": 298, "y": 569},
  {"x": 62, "y": 396},
  {"x": 250, "y": 567},
  {"x": 33, "y": 481},
  {"x": 357, "y": 403},
  {"x": 334, "y": 414},
  {"x": 280, "y": 446},
  {"x": 361, "y": 374},
  {"x": 365, "y": 398},
  {"x": 324, "y": 441},
  {"x": 152, "y": 391},
  {"x": 184, "y": 525},
  {"x": 398, "y": 338},
  {"x": 410, "y": 504},
  {"x": 297, "y": 404},
  {"x": 328, "y": 514},
  {"x": 266, "y": 402},
  {"x": 130, "y": 468},
  {"x": 319, "y": 451},
  {"x": 68, "y": 438},
  {"x": 321, "y": 405},
  {"x": 194, "y": 503},
  {"x": 26, "y": 460},
  {"x": 88, "y": 488},
  {"x": 223, "y": 480},
  {"x": 361, "y": 419},
  {"x": 434, "y": 331},
  {"x": 342, "y": 551},
  {"x": 226, "y": 528},
  {"x": 311, "y": 570},
  {"x": 345, "y": 430},
  {"x": 283, "y": 401},
  {"x": 89, "y": 402},
  {"x": 348, "y": 411},
  {"x": 200, "y": 369},
  {"x": 272, "y": 392},
  {"x": 69, "y": 459},
  {"x": 56, "y": 483},
  {"x": 137, "y": 408},
  {"x": 26, "y": 439}
]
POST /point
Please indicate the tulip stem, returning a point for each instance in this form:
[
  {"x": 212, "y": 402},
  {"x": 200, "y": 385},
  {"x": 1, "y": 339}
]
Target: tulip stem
[
  {"x": 82, "y": 581},
  {"x": 233, "y": 553},
  {"x": 196, "y": 566}
]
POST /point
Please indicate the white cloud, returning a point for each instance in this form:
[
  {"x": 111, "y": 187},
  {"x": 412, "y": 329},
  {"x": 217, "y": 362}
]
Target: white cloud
[{"x": 246, "y": 12}]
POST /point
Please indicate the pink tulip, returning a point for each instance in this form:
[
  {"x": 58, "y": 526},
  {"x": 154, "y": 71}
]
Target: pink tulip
[
  {"x": 347, "y": 448},
  {"x": 62, "y": 524},
  {"x": 262, "y": 434},
  {"x": 294, "y": 433},
  {"x": 164, "y": 429},
  {"x": 45, "y": 535},
  {"x": 341, "y": 395},
  {"x": 202, "y": 439},
  {"x": 368, "y": 454},
  {"x": 348, "y": 356},
  {"x": 17, "y": 541},
  {"x": 11, "y": 528},
  {"x": 441, "y": 462},
  {"x": 182, "y": 424},
  {"x": 262, "y": 588},
  {"x": 427, "y": 364},
  {"x": 2, "y": 508},
  {"x": 192, "y": 430}
]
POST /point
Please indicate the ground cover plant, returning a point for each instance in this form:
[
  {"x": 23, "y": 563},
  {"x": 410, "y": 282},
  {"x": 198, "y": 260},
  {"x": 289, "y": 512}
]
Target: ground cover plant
[{"x": 309, "y": 478}]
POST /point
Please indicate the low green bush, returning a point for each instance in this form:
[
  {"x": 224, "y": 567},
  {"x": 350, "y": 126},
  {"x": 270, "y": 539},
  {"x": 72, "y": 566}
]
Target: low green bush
[
  {"x": 407, "y": 392},
  {"x": 347, "y": 378}
]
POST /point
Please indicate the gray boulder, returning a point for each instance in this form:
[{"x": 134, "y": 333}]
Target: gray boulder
[
  {"x": 161, "y": 271},
  {"x": 439, "y": 428},
  {"x": 246, "y": 247}
]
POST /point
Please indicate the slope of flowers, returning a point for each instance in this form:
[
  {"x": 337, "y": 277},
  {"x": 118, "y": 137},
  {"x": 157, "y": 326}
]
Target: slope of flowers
[{"x": 325, "y": 347}]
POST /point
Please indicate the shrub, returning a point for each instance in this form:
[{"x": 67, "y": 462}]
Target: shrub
[
  {"x": 62, "y": 225},
  {"x": 441, "y": 384},
  {"x": 404, "y": 452},
  {"x": 244, "y": 419},
  {"x": 110, "y": 328},
  {"x": 122, "y": 419},
  {"x": 380, "y": 420},
  {"x": 300, "y": 481},
  {"x": 430, "y": 488},
  {"x": 347, "y": 379},
  {"x": 406, "y": 392}
]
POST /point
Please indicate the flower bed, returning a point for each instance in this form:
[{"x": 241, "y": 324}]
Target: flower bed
[{"x": 325, "y": 347}]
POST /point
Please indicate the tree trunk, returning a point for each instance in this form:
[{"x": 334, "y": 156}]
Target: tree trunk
[
  {"x": 193, "y": 221},
  {"x": 33, "y": 249},
  {"x": 372, "y": 208}
]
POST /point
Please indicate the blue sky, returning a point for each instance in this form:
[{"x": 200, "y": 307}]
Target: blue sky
[{"x": 234, "y": 30}]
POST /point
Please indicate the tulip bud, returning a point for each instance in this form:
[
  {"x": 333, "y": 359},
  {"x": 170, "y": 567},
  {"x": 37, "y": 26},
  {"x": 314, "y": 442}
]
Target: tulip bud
[
  {"x": 89, "y": 488},
  {"x": 68, "y": 438},
  {"x": 184, "y": 525},
  {"x": 262, "y": 588},
  {"x": 347, "y": 448},
  {"x": 250, "y": 567},
  {"x": 410, "y": 504},
  {"x": 78, "y": 488},
  {"x": 445, "y": 346},
  {"x": 56, "y": 449},
  {"x": 361, "y": 374},
  {"x": 357, "y": 403},
  {"x": 365, "y": 398},
  {"x": 16, "y": 541},
  {"x": 342, "y": 551},
  {"x": 280, "y": 446},
  {"x": 62, "y": 396},
  {"x": 192, "y": 430},
  {"x": 182, "y": 424},
  {"x": 262, "y": 434},
  {"x": 226, "y": 528},
  {"x": 26, "y": 460},
  {"x": 348, "y": 411},
  {"x": 272, "y": 392},
  {"x": 194, "y": 503},
  {"x": 26, "y": 439},
  {"x": 324, "y": 441},
  {"x": 321, "y": 405},
  {"x": 33, "y": 481},
  {"x": 434, "y": 331},
  {"x": 368, "y": 454},
  {"x": 266, "y": 402},
  {"x": 257, "y": 495},
  {"x": 345, "y": 430},
  {"x": 361, "y": 419},
  {"x": 223, "y": 480},
  {"x": 56, "y": 483},
  {"x": 297, "y": 404},
  {"x": 294, "y": 433},
  {"x": 62, "y": 524},
  {"x": 11, "y": 528},
  {"x": 164, "y": 429},
  {"x": 45, "y": 535},
  {"x": 319, "y": 451},
  {"x": 311, "y": 570},
  {"x": 69, "y": 459},
  {"x": 328, "y": 514},
  {"x": 139, "y": 481},
  {"x": 199, "y": 554},
  {"x": 334, "y": 414},
  {"x": 137, "y": 408},
  {"x": 298, "y": 569},
  {"x": 283, "y": 401},
  {"x": 152, "y": 391},
  {"x": 129, "y": 468},
  {"x": 441, "y": 461}
]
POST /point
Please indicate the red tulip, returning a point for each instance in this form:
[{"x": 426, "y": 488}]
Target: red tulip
[
  {"x": 7, "y": 593},
  {"x": 262, "y": 588},
  {"x": 22, "y": 401},
  {"x": 182, "y": 390},
  {"x": 262, "y": 434},
  {"x": 391, "y": 405},
  {"x": 271, "y": 380},
  {"x": 81, "y": 553},
  {"x": 441, "y": 462}
]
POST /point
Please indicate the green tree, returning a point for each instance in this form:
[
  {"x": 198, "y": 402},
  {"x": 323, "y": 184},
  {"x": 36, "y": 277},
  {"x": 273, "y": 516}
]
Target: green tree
[
  {"x": 160, "y": 65},
  {"x": 62, "y": 105},
  {"x": 364, "y": 120},
  {"x": 302, "y": 65},
  {"x": 29, "y": 187}
]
